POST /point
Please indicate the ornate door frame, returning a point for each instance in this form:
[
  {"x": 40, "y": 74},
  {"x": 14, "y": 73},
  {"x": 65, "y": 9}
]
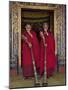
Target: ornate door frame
[{"x": 38, "y": 6}]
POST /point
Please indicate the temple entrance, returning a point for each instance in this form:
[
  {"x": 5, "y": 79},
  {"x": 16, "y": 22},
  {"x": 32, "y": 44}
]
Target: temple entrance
[
  {"x": 36, "y": 18},
  {"x": 36, "y": 14}
]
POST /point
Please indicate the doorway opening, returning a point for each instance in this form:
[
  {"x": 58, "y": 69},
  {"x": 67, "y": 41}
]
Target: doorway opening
[{"x": 36, "y": 18}]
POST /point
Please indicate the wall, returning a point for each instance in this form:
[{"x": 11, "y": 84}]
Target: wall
[{"x": 60, "y": 34}]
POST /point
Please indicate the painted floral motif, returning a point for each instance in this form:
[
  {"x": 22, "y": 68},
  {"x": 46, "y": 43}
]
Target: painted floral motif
[
  {"x": 14, "y": 35},
  {"x": 60, "y": 20}
]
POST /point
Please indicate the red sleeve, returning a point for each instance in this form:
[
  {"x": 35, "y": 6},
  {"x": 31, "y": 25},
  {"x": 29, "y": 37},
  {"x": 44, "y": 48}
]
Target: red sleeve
[
  {"x": 52, "y": 41},
  {"x": 41, "y": 50},
  {"x": 25, "y": 40}
]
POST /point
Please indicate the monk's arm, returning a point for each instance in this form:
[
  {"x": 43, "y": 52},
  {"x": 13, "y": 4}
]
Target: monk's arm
[{"x": 26, "y": 40}]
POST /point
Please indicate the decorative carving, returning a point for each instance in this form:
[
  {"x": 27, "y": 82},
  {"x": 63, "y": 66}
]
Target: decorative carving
[
  {"x": 14, "y": 35},
  {"x": 60, "y": 23}
]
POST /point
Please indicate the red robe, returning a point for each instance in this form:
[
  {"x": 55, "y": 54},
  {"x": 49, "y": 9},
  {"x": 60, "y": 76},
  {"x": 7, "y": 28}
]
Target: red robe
[
  {"x": 50, "y": 55},
  {"x": 27, "y": 65}
]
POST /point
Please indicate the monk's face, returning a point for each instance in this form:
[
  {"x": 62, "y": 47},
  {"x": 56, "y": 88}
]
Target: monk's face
[
  {"x": 28, "y": 27},
  {"x": 45, "y": 27}
]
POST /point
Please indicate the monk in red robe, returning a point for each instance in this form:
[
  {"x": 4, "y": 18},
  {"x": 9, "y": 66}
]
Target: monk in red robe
[
  {"x": 49, "y": 51},
  {"x": 27, "y": 65}
]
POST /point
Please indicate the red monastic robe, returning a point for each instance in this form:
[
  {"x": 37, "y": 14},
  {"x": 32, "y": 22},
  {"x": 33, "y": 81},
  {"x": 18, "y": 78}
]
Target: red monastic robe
[
  {"x": 50, "y": 55},
  {"x": 27, "y": 65}
]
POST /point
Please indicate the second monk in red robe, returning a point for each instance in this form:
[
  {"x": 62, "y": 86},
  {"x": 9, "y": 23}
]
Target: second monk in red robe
[{"x": 50, "y": 52}]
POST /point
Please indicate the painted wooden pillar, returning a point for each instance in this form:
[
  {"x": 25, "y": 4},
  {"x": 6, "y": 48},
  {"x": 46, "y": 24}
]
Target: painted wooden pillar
[{"x": 14, "y": 37}]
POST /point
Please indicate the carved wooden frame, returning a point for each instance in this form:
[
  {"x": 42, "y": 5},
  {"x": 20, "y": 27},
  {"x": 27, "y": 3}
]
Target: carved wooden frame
[{"x": 19, "y": 22}]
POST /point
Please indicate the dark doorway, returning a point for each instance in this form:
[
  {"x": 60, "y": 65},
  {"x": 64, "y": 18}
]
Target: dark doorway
[{"x": 37, "y": 17}]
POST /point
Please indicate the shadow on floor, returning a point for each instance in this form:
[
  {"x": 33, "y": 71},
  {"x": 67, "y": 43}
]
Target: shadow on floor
[{"x": 58, "y": 79}]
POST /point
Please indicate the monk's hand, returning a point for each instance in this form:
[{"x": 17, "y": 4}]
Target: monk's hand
[
  {"x": 45, "y": 45},
  {"x": 41, "y": 34},
  {"x": 55, "y": 53},
  {"x": 24, "y": 37},
  {"x": 30, "y": 45}
]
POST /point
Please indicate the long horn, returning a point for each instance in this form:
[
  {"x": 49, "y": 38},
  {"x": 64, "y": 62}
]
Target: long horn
[
  {"x": 33, "y": 62},
  {"x": 45, "y": 83},
  {"x": 35, "y": 71}
]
